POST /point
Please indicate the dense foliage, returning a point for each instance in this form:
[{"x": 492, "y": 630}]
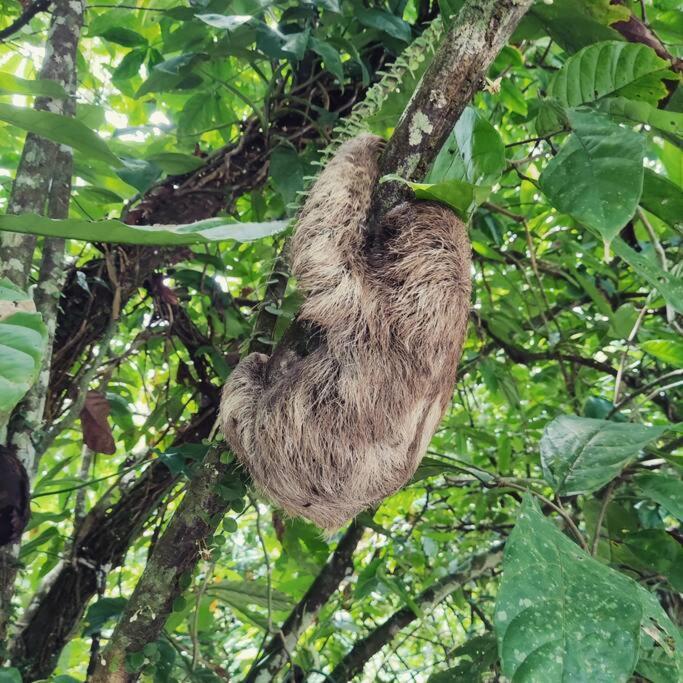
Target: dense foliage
[{"x": 562, "y": 445}]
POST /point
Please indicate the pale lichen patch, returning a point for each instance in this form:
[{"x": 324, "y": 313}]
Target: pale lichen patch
[{"x": 419, "y": 125}]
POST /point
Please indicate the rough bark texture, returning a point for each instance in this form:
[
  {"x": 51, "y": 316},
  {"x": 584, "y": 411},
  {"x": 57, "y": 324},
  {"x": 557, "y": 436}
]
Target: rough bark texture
[
  {"x": 176, "y": 553},
  {"x": 44, "y": 172},
  {"x": 279, "y": 648},
  {"x": 361, "y": 653},
  {"x": 480, "y": 31},
  {"x": 100, "y": 545},
  {"x": 487, "y": 25},
  {"x": 32, "y": 181}
]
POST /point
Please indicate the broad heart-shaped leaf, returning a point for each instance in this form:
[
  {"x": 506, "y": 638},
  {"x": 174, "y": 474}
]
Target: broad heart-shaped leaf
[
  {"x": 62, "y": 129},
  {"x": 580, "y": 454},
  {"x": 473, "y": 152},
  {"x": 610, "y": 69},
  {"x": 560, "y": 615},
  {"x": 668, "y": 285},
  {"x": 114, "y": 231},
  {"x": 597, "y": 177},
  {"x": 664, "y": 489},
  {"x": 22, "y": 344}
]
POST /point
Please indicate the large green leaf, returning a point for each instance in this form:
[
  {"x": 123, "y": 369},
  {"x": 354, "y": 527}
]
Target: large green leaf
[
  {"x": 561, "y": 615},
  {"x": 664, "y": 489},
  {"x": 610, "y": 69},
  {"x": 22, "y": 343},
  {"x": 597, "y": 176},
  {"x": 11, "y": 84},
  {"x": 62, "y": 129},
  {"x": 580, "y": 454},
  {"x": 633, "y": 111},
  {"x": 663, "y": 198},
  {"x": 115, "y": 231},
  {"x": 668, "y": 285},
  {"x": 242, "y": 594},
  {"x": 473, "y": 152},
  {"x": 667, "y": 350}
]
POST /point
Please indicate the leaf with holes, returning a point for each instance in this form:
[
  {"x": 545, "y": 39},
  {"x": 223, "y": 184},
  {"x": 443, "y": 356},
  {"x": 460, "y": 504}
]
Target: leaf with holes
[
  {"x": 597, "y": 176},
  {"x": 580, "y": 454}
]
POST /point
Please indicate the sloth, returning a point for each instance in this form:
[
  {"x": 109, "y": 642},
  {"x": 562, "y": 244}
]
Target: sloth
[{"x": 328, "y": 433}]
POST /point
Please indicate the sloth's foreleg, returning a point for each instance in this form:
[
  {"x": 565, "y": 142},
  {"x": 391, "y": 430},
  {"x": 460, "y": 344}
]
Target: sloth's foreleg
[
  {"x": 326, "y": 251},
  {"x": 241, "y": 396}
]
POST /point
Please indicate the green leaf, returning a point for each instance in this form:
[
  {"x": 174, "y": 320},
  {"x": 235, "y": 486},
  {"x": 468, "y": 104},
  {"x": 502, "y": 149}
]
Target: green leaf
[
  {"x": 10, "y": 675},
  {"x": 560, "y": 615},
  {"x": 580, "y": 454},
  {"x": 386, "y": 22},
  {"x": 286, "y": 172},
  {"x": 654, "y": 551},
  {"x": 22, "y": 343},
  {"x": 330, "y": 56},
  {"x": 664, "y": 489},
  {"x": 667, "y": 350},
  {"x": 597, "y": 176},
  {"x": 115, "y": 231},
  {"x": 633, "y": 111},
  {"x": 228, "y": 22},
  {"x": 662, "y": 198},
  {"x": 609, "y": 69},
  {"x": 668, "y": 285},
  {"x": 130, "y": 65},
  {"x": 62, "y": 129},
  {"x": 123, "y": 36},
  {"x": 175, "y": 163},
  {"x": 11, "y": 84},
  {"x": 243, "y": 594},
  {"x": 473, "y": 152}
]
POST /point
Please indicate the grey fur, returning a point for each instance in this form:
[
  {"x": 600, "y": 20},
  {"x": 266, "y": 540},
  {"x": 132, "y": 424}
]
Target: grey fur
[{"x": 336, "y": 431}]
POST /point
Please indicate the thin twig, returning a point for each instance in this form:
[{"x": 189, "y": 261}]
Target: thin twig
[{"x": 601, "y": 516}]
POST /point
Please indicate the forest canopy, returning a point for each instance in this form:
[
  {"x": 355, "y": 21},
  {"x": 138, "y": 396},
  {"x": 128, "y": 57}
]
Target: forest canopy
[{"x": 153, "y": 157}]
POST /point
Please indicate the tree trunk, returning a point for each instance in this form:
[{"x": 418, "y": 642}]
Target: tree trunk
[{"x": 44, "y": 172}]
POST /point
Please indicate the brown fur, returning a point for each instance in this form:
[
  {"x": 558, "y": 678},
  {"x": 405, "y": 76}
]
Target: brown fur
[{"x": 334, "y": 432}]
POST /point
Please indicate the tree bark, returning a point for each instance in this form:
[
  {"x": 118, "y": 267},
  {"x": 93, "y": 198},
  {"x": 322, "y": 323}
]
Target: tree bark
[
  {"x": 279, "y": 648},
  {"x": 361, "y": 653},
  {"x": 44, "y": 172},
  {"x": 483, "y": 26}
]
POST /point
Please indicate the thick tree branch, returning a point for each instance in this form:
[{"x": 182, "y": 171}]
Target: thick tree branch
[
  {"x": 282, "y": 644},
  {"x": 480, "y": 31},
  {"x": 361, "y": 653}
]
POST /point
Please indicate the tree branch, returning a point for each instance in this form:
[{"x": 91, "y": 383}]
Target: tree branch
[
  {"x": 363, "y": 650},
  {"x": 282, "y": 644},
  {"x": 24, "y": 18}
]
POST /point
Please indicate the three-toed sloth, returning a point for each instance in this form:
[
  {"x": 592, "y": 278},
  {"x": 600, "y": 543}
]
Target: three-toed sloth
[{"x": 330, "y": 433}]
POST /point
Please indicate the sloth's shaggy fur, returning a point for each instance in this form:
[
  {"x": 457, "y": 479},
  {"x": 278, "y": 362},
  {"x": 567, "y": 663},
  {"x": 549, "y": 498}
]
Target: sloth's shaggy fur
[{"x": 331, "y": 433}]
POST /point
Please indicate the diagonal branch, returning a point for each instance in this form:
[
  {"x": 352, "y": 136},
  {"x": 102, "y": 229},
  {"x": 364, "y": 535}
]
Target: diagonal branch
[
  {"x": 24, "y": 18},
  {"x": 364, "y": 649},
  {"x": 282, "y": 644}
]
